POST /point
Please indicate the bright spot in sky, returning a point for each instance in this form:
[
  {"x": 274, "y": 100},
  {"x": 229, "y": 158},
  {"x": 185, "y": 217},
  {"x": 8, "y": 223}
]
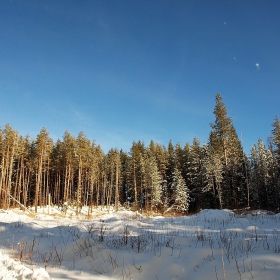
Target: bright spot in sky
[{"x": 258, "y": 66}]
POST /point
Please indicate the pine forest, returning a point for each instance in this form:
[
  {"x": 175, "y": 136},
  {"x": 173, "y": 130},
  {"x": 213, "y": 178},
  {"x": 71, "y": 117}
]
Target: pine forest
[{"x": 150, "y": 178}]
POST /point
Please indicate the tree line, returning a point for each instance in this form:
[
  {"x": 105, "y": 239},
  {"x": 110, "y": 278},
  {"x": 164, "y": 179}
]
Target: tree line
[{"x": 75, "y": 170}]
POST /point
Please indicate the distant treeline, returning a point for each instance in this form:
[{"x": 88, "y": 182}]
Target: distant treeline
[{"x": 76, "y": 171}]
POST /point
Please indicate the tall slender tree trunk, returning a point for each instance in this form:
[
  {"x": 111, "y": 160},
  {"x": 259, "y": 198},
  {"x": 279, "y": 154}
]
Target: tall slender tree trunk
[
  {"x": 135, "y": 186},
  {"x": 79, "y": 187},
  {"x": 117, "y": 189},
  {"x": 38, "y": 181},
  {"x": 97, "y": 191}
]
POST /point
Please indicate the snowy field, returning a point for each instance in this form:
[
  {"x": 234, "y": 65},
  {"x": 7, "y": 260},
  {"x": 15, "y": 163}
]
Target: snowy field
[{"x": 214, "y": 244}]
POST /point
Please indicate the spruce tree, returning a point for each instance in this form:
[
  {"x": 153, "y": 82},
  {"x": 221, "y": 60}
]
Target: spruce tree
[
  {"x": 262, "y": 190},
  {"x": 275, "y": 165},
  {"x": 276, "y": 138},
  {"x": 196, "y": 174},
  {"x": 226, "y": 148},
  {"x": 179, "y": 199},
  {"x": 254, "y": 177},
  {"x": 214, "y": 177}
]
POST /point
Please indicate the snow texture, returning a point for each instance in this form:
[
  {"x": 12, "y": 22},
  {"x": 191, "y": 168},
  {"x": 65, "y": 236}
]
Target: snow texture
[
  {"x": 213, "y": 244},
  {"x": 10, "y": 270}
]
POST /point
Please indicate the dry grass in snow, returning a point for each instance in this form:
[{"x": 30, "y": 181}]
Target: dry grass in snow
[{"x": 213, "y": 244}]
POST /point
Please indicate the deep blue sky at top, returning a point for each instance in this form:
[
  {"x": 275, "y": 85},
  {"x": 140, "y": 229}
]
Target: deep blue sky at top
[{"x": 127, "y": 70}]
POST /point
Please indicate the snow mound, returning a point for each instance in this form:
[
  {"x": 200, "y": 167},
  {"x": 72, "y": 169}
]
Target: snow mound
[
  {"x": 14, "y": 270},
  {"x": 260, "y": 212},
  {"x": 210, "y": 214},
  {"x": 125, "y": 214}
]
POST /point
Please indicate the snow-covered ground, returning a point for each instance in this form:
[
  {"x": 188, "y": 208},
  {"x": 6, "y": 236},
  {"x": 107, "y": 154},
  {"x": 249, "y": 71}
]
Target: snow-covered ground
[{"x": 214, "y": 244}]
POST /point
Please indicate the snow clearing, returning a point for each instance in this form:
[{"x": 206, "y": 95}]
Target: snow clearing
[{"x": 213, "y": 244}]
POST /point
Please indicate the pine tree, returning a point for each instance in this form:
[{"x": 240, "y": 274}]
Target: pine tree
[
  {"x": 9, "y": 145},
  {"x": 81, "y": 153},
  {"x": 68, "y": 160},
  {"x": 124, "y": 197},
  {"x": 99, "y": 155},
  {"x": 135, "y": 181},
  {"x": 43, "y": 147},
  {"x": 20, "y": 193},
  {"x": 113, "y": 177},
  {"x": 152, "y": 183}
]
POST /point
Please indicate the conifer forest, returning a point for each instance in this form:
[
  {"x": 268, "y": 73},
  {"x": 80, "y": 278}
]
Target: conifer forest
[{"x": 173, "y": 179}]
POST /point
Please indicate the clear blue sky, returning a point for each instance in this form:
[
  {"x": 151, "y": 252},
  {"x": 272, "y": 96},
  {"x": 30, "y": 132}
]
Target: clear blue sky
[{"x": 139, "y": 70}]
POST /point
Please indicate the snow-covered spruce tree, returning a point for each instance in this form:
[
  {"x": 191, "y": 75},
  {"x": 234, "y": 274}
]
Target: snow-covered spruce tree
[
  {"x": 179, "y": 200},
  {"x": 263, "y": 191},
  {"x": 262, "y": 185}
]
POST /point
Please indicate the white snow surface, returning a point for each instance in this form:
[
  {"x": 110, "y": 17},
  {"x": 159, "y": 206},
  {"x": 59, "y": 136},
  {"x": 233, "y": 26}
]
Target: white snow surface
[
  {"x": 213, "y": 244},
  {"x": 11, "y": 269}
]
